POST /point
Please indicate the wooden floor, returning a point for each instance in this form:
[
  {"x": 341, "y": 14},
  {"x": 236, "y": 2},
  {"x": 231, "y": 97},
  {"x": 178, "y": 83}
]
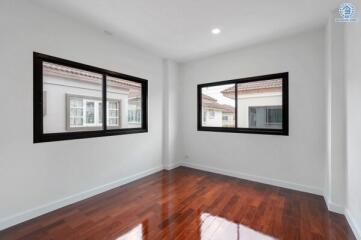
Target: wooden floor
[{"x": 189, "y": 204}]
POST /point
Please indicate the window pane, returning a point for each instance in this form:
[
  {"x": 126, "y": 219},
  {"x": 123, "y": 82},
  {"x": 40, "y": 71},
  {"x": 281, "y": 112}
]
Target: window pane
[
  {"x": 90, "y": 112},
  {"x": 218, "y": 106},
  {"x": 260, "y": 104},
  {"x": 72, "y": 99},
  {"x": 76, "y": 112},
  {"x": 100, "y": 112},
  {"x": 124, "y": 103},
  {"x": 78, "y": 121}
]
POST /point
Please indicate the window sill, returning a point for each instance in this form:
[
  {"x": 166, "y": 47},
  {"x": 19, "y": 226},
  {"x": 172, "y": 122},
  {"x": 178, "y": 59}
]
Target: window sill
[
  {"x": 245, "y": 130},
  {"x": 52, "y": 137}
]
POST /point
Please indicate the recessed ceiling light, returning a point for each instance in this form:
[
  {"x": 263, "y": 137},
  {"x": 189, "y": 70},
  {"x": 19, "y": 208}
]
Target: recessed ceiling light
[{"x": 216, "y": 31}]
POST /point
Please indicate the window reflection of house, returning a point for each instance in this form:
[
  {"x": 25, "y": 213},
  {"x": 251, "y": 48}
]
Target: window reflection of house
[
  {"x": 215, "y": 114},
  {"x": 87, "y": 112},
  {"x": 215, "y": 227},
  {"x": 134, "y": 110},
  {"x": 259, "y": 103},
  {"x": 265, "y": 117},
  {"x": 134, "y": 234},
  {"x": 73, "y": 100}
]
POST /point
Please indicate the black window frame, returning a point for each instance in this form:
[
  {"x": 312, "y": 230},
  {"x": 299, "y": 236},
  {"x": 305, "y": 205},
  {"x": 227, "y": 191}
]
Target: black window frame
[
  {"x": 285, "y": 111},
  {"x": 40, "y": 136}
]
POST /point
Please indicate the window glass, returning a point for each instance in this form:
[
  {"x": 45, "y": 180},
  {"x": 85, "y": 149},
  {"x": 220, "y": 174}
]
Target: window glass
[
  {"x": 124, "y": 103},
  {"x": 113, "y": 113},
  {"x": 90, "y": 112},
  {"x": 72, "y": 99},
  {"x": 76, "y": 112},
  {"x": 249, "y": 105},
  {"x": 100, "y": 113},
  {"x": 218, "y": 106},
  {"x": 260, "y": 104},
  {"x": 274, "y": 115}
]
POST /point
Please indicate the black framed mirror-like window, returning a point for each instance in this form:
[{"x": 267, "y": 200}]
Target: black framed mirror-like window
[
  {"x": 74, "y": 100},
  {"x": 249, "y": 105}
]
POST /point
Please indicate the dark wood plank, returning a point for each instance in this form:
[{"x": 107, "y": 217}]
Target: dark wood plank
[{"x": 189, "y": 204}]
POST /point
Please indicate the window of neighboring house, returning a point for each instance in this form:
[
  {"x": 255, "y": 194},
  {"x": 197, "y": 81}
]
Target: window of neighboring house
[
  {"x": 253, "y": 105},
  {"x": 131, "y": 105},
  {"x": 265, "y": 117},
  {"x": 90, "y": 117},
  {"x": 76, "y": 113},
  {"x": 211, "y": 114},
  {"x": 100, "y": 112},
  {"x": 87, "y": 112},
  {"x": 85, "y": 89},
  {"x": 274, "y": 115},
  {"x": 134, "y": 116},
  {"x": 113, "y": 113},
  {"x": 134, "y": 113}
]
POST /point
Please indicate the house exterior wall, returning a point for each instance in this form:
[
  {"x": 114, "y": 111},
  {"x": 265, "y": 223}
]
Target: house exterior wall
[
  {"x": 230, "y": 121},
  {"x": 212, "y": 122},
  {"x": 254, "y": 100}
]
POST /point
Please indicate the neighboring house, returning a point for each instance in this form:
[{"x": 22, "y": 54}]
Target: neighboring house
[
  {"x": 73, "y": 100},
  {"x": 215, "y": 114},
  {"x": 134, "y": 109},
  {"x": 259, "y": 104}
]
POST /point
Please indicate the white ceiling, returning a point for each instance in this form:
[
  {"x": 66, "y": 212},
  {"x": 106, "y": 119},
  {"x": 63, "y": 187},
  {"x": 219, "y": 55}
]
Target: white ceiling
[{"x": 181, "y": 29}]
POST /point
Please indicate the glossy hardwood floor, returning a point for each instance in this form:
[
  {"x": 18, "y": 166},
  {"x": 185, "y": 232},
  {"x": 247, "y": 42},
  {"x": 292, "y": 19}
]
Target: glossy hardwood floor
[{"x": 189, "y": 204}]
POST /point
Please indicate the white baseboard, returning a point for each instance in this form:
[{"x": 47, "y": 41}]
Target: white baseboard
[
  {"x": 351, "y": 221},
  {"x": 333, "y": 207},
  {"x": 270, "y": 181},
  {"x": 40, "y": 210},
  {"x": 171, "y": 166}
]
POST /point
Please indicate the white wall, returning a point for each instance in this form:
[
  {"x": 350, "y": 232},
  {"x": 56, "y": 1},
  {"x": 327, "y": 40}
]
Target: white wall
[
  {"x": 38, "y": 175},
  {"x": 171, "y": 114},
  {"x": 335, "y": 187},
  {"x": 296, "y": 161},
  {"x": 353, "y": 113}
]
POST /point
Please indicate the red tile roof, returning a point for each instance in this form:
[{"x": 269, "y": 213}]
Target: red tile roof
[
  {"x": 208, "y": 98},
  {"x": 52, "y": 69},
  {"x": 256, "y": 86},
  {"x": 210, "y": 102}
]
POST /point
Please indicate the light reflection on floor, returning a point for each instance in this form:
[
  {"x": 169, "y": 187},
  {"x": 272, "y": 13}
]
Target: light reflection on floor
[
  {"x": 217, "y": 228},
  {"x": 134, "y": 234}
]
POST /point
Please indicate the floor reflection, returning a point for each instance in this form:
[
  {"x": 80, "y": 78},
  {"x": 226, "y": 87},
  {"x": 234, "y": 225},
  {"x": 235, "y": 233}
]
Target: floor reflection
[
  {"x": 134, "y": 234},
  {"x": 214, "y": 227}
]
